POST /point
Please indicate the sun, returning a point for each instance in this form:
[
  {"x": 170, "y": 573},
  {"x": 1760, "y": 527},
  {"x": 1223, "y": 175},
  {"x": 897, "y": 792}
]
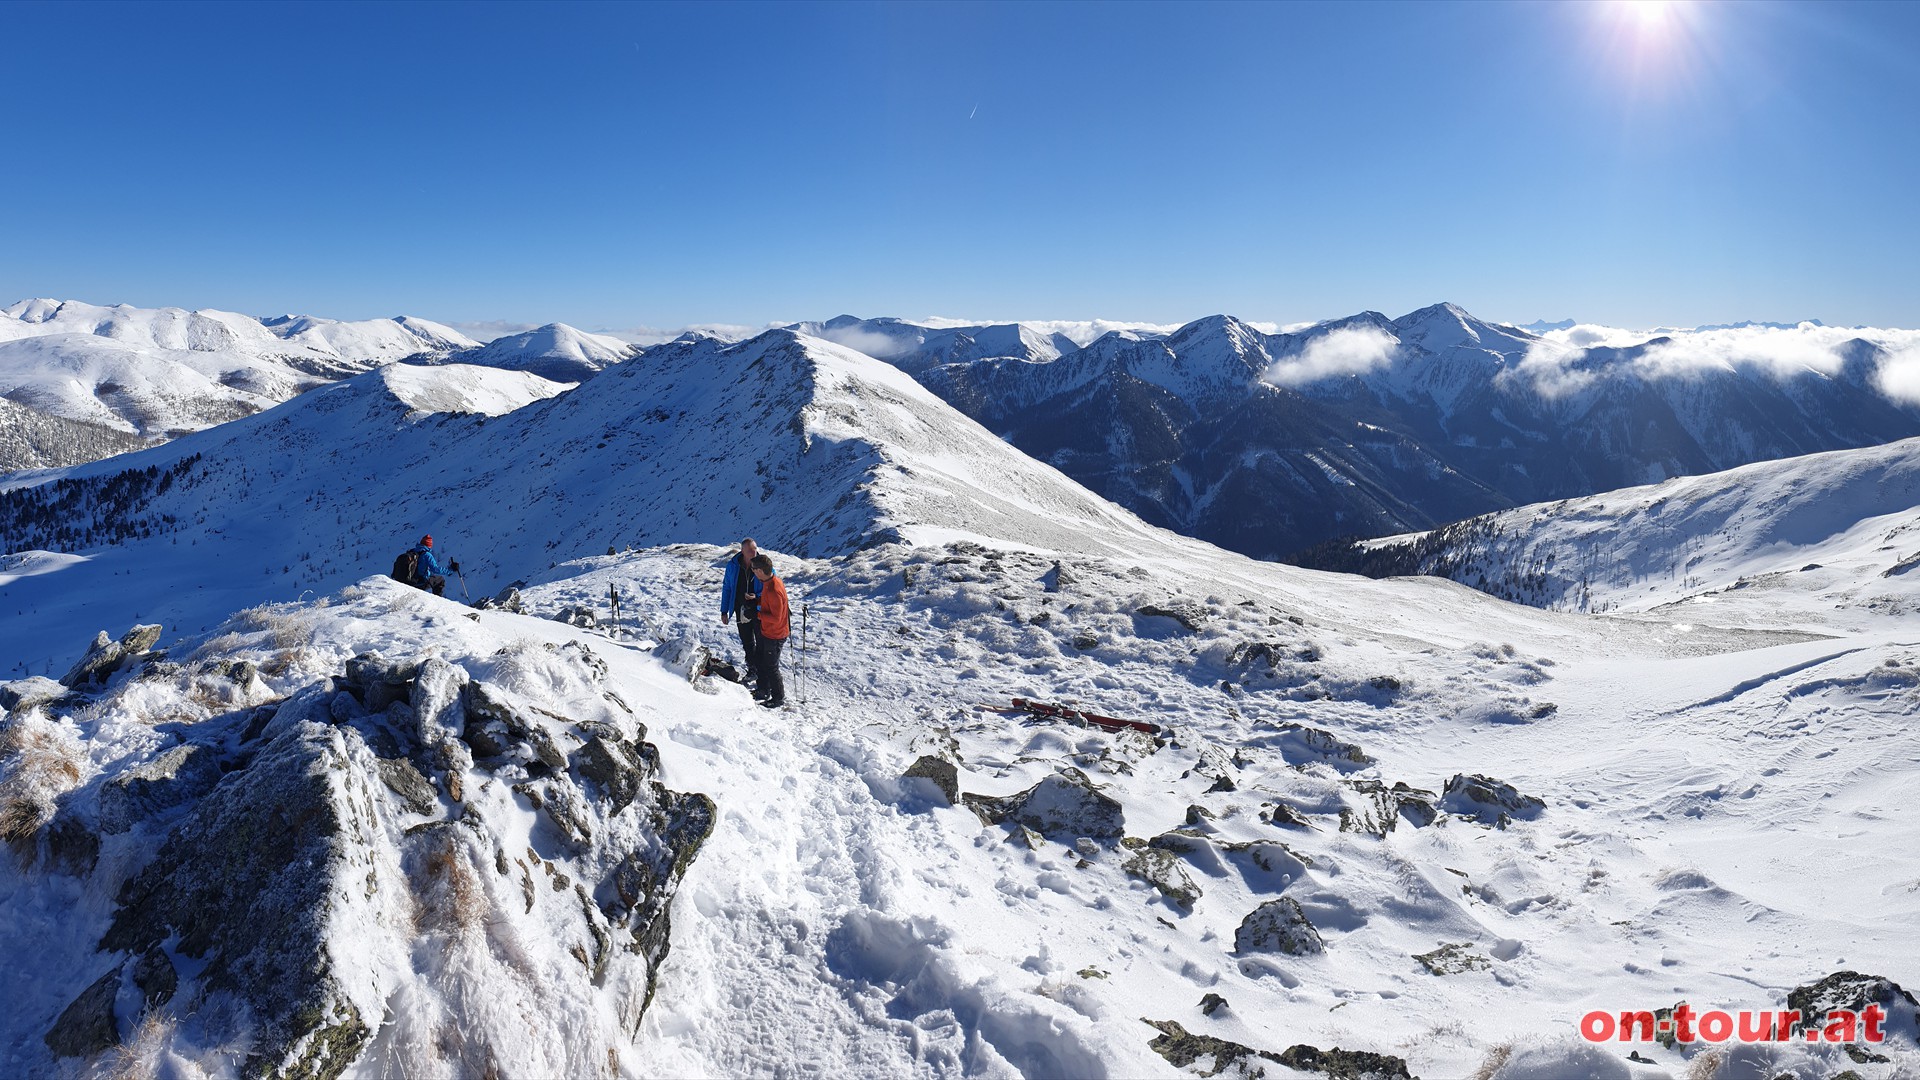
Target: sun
[{"x": 1651, "y": 15}]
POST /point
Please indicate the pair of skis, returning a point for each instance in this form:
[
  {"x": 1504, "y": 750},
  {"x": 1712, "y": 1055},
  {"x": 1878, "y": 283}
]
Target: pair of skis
[{"x": 1024, "y": 707}]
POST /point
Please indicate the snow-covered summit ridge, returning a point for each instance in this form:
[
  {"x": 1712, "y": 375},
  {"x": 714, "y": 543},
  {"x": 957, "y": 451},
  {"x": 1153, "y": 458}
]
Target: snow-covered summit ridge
[
  {"x": 554, "y": 351},
  {"x": 175, "y": 329},
  {"x": 809, "y": 446},
  {"x": 1836, "y": 533}
]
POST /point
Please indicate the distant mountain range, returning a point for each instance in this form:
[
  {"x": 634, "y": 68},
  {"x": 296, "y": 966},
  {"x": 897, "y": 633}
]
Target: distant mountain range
[
  {"x": 82, "y": 381},
  {"x": 1266, "y": 443},
  {"x": 1270, "y": 443}
]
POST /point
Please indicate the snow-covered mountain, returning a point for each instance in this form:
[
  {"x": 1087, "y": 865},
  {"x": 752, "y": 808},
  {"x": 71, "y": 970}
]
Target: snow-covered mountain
[
  {"x": 1269, "y": 443},
  {"x": 555, "y": 351},
  {"x": 1387, "y": 828},
  {"x": 1839, "y": 532},
  {"x": 109, "y": 379},
  {"x": 913, "y": 348},
  {"x": 698, "y": 437}
]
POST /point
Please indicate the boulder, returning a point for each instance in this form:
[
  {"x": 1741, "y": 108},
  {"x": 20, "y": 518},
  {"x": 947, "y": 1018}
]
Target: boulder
[
  {"x": 400, "y": 777},
  {"x": 1182, "y": 1048},
  {"x": 612, "y": 766},
  {"x": 577, "y": 615},
  {"x": 1191, "y": 616},
  {"x": 155, "y": 977},
  {"x": 87, "y": 1026},
  {"x": 106, "y": 656},
  {"x": 1341, "y": 1064},
  {"x": 1301, "y": 745},
  {"x": 28, "y": 692},
  {"x": 1452, "y": 958},
  {"x": 1382, "y": 807},
  {"x": 939, "y": 772},
  {"x": 379, "y": 682},
  {"x": 1063, "y": 807},
  {"x": 1854, "y": 991},
  {"x": 1277, "y": 926},
  {"x": 1488, "y": 801},
  {"x": 1160, "y": 867}
]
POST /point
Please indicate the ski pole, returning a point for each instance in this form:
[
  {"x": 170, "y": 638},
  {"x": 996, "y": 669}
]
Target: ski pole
[{"x": 803, "y": 652}]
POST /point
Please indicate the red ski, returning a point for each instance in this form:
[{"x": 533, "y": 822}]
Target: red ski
[{"x": 1073, "y": 716}]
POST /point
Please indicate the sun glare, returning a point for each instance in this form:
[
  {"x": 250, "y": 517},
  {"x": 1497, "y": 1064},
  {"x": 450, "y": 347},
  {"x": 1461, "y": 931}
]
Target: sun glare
[
  {"x": 1656, "y": 44},
  {"x": 1649, "y": 15}
]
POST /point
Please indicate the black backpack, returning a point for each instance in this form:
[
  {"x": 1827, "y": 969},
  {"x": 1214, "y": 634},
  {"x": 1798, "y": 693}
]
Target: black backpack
[{"x": 407, "y": 566}]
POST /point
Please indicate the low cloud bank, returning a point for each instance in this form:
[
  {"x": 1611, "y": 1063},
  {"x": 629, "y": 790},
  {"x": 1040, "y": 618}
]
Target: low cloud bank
[
  {"x": 1351, "y": 350},
  {"x": 1558, "y": 364}
]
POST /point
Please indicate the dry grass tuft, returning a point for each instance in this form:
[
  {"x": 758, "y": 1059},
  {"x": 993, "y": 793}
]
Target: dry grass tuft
[
  {"x": 452, "y": 897},
  {"x": 39, "y": 762},
  {"x": 1496, "y": 1058}
]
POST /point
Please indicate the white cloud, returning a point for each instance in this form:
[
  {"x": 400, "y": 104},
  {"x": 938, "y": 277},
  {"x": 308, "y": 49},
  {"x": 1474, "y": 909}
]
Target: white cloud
[
  {"x": 873, "y": 343},
  {"x": 1899, "y": 374},
  {"x": 1780, "y": 352},
  {"x": 484, "y": 332},
  {"x": 1593, "y": 335},
  {"x": 1082, "y": 331},
  {"x": 1548, "y": 365},
  {"x": 1350, "y": 350}
]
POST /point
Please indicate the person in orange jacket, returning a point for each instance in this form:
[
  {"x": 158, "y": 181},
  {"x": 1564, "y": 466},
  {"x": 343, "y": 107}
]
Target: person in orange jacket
[{"x": 774, "y": 628}]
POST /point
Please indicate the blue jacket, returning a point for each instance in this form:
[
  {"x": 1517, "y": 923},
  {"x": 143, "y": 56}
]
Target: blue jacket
[
  {"x": 731, "y": 590},
  {"x": 428, "y": 566}
]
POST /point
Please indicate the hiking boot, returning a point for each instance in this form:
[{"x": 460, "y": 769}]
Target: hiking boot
[{"x": 772, "y": 703}]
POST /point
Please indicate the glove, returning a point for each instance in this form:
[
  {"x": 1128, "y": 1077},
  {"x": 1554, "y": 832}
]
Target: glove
[{"x": 455, "y": 566}]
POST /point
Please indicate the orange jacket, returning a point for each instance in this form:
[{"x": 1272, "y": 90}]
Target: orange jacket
[{"x": 773, "y": 609}]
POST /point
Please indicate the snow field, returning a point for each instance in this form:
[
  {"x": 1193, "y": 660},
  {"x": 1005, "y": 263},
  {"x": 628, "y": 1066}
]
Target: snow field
[{"x": 1635, "y": 888}]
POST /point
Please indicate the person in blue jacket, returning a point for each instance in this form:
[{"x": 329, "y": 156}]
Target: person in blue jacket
[
  {"x": 740, "y": 601},
  {"x": 427, "y": 571}
]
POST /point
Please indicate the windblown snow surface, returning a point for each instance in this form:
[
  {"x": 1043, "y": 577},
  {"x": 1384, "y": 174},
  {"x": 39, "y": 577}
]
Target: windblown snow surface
[{"x": 1726, "y": 812}]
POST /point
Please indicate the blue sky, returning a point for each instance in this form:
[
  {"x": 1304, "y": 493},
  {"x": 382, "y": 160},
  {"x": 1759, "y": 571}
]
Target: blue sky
[{"x": 615, "y": 165}]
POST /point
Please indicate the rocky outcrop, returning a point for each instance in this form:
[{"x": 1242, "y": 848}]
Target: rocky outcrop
[
  {"x": 1277, "y": 926},
  {"x": 172, "y": 779},
  {"x": 1380, "y": 808},
  {"x": 28, "y": 692},
  {"x": 1853, "y": 991},
  {"x": 1160, "y": 867},
  {"x": 1302, "y": 745},
  {"x": 1488, "y": 801},
  {"x": 942, "y": 774},
  {"x": 289, "y": 826},
  {"x": 1063, "y": 807},
  {"x": 106, "y": 656}
]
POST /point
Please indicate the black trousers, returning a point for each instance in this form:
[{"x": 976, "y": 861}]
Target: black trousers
[
  {"x": 769, "y": 666},
  {"x": 750, "y": 646}
]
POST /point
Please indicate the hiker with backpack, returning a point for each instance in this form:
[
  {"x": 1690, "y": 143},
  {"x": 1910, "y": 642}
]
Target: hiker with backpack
[
  {"x": 739, "y": 602},
  {"x": 774, "y": 627},
  {"x": 418, "y": 567}
]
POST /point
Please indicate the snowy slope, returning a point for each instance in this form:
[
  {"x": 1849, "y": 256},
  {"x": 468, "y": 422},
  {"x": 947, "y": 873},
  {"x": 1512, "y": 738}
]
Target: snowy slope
[
  {"x": 1840, "y": 530},
  {"x": 555, "y": 351},
  {"x": 841, "y": 918},
  {"x": 815, "y": 447},
  {"x": 913, "y": 348},
  {"x": 151, "y": 374}
]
